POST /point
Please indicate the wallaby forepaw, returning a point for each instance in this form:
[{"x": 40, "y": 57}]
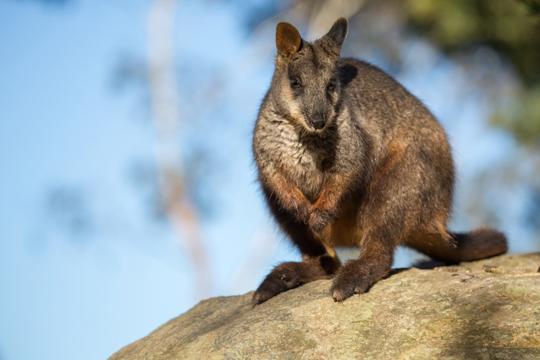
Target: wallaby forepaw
[{"x": 284, "y": 277}]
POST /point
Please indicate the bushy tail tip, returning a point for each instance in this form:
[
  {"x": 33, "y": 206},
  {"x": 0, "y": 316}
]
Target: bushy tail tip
[{"x": 479, "y": 244}]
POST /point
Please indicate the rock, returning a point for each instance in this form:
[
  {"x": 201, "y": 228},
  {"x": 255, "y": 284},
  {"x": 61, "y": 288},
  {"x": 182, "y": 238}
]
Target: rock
[{"x": 488, "y": 309}]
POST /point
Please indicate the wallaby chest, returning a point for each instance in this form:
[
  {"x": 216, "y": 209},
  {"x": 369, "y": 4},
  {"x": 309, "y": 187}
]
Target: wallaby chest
[{"x": 301, "y": 160}]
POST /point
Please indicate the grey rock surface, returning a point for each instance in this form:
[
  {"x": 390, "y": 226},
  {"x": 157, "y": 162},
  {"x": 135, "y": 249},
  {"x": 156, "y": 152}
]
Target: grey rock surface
[{"x": 488, "y": 309}]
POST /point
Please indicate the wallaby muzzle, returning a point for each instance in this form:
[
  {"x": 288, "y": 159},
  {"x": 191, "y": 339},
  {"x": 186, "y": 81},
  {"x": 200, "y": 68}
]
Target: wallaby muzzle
[{"x": 318, "y": 121}]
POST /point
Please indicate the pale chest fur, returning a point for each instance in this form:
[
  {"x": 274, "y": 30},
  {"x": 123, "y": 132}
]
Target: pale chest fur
[{"x": 281, "y": 146}]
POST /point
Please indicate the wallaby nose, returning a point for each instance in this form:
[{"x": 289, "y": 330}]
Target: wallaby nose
[{"x": 318, "y": 121}]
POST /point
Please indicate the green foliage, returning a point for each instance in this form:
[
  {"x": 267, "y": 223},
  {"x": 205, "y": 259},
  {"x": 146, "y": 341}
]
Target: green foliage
[
  {"x": 523, "y": 119},
  {"x": 533, "y": 5},
  {"x": 510, "y": 27}
]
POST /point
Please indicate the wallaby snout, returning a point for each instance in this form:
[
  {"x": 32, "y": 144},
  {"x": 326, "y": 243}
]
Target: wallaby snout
[{"x": 318, "y": 120}]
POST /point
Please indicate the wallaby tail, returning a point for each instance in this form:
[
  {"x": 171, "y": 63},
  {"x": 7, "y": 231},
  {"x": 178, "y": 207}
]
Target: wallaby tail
[{"x": 467, "y": 246}]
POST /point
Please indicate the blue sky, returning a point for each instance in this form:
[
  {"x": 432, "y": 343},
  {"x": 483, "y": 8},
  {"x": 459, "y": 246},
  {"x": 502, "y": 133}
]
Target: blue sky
[{"x": 62, "y": 123}]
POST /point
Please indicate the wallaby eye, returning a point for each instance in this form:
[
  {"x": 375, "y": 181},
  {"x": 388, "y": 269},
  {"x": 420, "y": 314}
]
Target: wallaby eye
[
  {"x": 331, "y": 87},
  {"x": 296, "y": 84}
]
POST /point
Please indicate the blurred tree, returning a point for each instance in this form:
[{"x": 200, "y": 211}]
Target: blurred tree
[
  {"x": 510, "y": 28},
  {"x": 166, "y": 115},
  {"x": 171, "y": 182}
]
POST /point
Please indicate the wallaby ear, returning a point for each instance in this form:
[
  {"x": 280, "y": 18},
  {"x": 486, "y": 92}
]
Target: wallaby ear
[
  {"x": 337, "y": 32},
  {"x": 288, "y": 39}
]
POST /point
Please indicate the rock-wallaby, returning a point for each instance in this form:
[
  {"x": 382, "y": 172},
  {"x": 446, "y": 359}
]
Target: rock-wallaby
[{"x": 346, "y": 156}]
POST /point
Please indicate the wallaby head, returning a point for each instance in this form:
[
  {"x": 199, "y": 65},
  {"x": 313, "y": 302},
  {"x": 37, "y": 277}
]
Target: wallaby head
[{"x": 306, "y": 86}]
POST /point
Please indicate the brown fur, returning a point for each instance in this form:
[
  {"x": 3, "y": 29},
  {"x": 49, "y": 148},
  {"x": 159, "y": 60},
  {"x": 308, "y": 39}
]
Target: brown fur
[{"x": 348, "y": 157}]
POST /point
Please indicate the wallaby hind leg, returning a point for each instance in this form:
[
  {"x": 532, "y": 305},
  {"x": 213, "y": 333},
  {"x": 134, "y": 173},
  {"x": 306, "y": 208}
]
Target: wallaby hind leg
[{"x": 290, "y": 275}]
